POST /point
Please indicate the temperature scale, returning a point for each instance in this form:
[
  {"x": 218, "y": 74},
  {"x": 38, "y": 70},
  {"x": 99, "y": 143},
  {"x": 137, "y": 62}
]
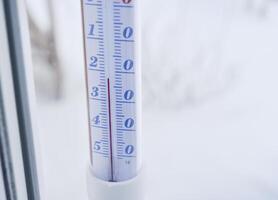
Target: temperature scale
[{"x": 111, "y": 41}]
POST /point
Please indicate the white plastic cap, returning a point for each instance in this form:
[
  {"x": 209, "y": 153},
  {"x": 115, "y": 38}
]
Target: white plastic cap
[{"x": 128, "y": 190}]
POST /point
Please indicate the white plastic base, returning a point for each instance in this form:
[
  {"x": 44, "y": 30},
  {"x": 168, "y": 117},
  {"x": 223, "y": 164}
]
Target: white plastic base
[{"x": 128, "y": 190}]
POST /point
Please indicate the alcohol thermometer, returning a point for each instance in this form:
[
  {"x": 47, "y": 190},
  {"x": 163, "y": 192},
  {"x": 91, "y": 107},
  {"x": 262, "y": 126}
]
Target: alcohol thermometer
[{"x": 111, "y": 39}]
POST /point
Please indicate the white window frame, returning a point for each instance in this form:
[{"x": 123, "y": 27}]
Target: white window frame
[{"x": 19, "y": 174}]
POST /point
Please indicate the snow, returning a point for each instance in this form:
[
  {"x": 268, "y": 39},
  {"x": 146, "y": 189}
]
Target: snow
[{"x": 217, "y": 137}]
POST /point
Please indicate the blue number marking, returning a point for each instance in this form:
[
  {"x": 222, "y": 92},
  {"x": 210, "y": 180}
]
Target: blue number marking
[
  {"x": 129, "y": 123},
  {"x": 129, "y": 94},
  {"x": 95, "y": 91},
  {"x": 128, "y": 32},
  {"x": 97, "y": 146},
  {"x": 96, "y": 120},
  {"x": 128, "y": 64},
  {"x": 91, "y": 29},
  {"x": 93, "y": 61},
  {"x": 129, "y": 149}
]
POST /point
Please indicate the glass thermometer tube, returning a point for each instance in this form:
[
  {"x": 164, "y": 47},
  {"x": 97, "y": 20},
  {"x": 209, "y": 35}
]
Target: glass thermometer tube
[{"x": 111, "y": 39}]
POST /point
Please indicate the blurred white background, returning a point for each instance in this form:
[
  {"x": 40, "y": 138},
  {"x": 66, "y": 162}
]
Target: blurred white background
[{"x": 210, "y": 98}]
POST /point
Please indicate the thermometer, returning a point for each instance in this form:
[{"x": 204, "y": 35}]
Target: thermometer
[{"x": 111, "y": 40}]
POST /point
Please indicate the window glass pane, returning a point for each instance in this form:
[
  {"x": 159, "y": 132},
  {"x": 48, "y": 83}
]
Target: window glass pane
[
  {"x": 209, "y": 97},
  {"x": 17, "y": 156}
]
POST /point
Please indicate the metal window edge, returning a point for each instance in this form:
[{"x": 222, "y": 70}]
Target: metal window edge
[{"x": 21, "y": 95}]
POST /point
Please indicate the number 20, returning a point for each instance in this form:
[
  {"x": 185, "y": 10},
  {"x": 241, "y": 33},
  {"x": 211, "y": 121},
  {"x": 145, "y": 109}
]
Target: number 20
[{"x": 93, "y": 62}]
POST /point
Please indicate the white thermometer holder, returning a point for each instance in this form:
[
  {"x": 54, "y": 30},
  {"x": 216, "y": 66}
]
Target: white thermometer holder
[{"x": 133, "y": 189}]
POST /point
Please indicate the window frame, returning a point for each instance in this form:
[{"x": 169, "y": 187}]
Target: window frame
[{"x": 19, "y": 172}]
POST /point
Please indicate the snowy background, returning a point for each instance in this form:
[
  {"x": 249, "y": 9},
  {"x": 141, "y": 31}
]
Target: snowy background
[{"x": 210, "y": 98}]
